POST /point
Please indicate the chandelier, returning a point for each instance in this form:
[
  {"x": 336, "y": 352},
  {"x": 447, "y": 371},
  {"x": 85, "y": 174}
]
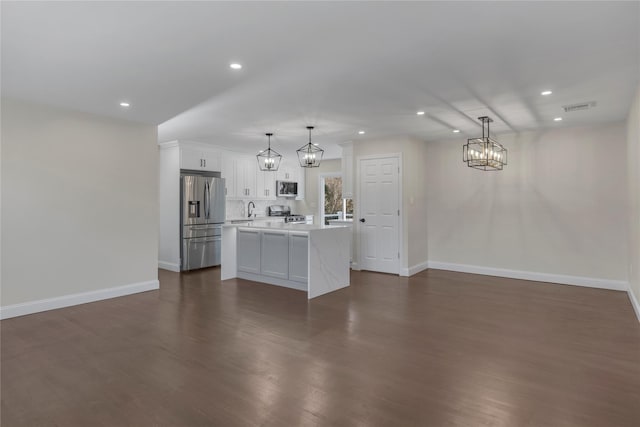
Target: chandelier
[
  {"x": 310, "y": 155},
  {"x": 269, "y": 160},
  {"x": 484, "y": 153}
]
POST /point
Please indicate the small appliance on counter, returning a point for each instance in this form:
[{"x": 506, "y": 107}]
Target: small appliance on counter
[
  {"x": 286, "y": 189},
  {"x": 285, "y": 211},
  {"x": 202, "y": 213}
]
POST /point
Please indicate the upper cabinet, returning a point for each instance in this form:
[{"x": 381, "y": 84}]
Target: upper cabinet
[
  {"x": 199, "y": 159},
  {"x": 347, "y": 170},
  {"x": 243, "y": 178},
  {"x": 287, "y": 170},
  {"x": 246, "y": 175},
  {"x": 266, "y": 185},
  {"x": 290, "y": 170},
  {"x": 228, "y": 172}
]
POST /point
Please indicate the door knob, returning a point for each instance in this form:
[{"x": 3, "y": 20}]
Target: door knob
[{"x": 362, "y": 220}]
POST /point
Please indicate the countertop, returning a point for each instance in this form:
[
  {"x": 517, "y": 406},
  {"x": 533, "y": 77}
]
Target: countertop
[
  {"x": 256, "y": 218},
  {"x": 341, "y": 221},
  {"x": 285, "y": 227}
]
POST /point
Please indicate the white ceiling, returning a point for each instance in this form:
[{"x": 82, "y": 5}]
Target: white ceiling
[{"x": 342, "y": 67}]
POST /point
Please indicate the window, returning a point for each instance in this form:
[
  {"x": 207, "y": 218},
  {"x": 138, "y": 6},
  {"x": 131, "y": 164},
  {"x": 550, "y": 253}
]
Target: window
[{"x": 333, "y": 206}]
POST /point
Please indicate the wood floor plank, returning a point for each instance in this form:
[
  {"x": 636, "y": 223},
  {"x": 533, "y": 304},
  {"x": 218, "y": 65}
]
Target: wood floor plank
[{"x": 437, "y": 349}]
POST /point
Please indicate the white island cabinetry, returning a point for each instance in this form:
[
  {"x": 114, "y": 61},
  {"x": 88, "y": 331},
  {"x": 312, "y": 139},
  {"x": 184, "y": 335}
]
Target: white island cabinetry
[
  {"x": 249, "y": 250},
  {"x": 298, "y": 256},
  {"x": 306, "y": 257},
  {"x": 275, "y": 254}
]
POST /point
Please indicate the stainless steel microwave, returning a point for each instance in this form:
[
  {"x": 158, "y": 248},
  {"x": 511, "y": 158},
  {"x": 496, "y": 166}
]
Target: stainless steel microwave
[{"x": 286, "y": 189}]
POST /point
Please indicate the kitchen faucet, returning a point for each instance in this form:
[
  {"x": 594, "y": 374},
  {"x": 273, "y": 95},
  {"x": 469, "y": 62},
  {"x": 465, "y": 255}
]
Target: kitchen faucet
[{"x": 250, "y": 209}]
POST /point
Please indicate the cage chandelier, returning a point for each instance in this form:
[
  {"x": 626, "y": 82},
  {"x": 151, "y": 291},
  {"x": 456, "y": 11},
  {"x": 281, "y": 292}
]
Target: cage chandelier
[
  {"x": 484, "y": 153},
  {"x": 310, "y": 155},
  {"x": 269, "y": 160}
]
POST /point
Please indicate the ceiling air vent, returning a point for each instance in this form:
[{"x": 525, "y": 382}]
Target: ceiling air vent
[{"x": 579, "y": 107}]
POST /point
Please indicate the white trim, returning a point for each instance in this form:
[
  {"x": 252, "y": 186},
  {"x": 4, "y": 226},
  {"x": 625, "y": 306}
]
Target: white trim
[
  {"x": 616, "y": 285},
  {"x": 414, "y": 269},
  {"x": 354, "y": 266},
  {"x": 171, "y": 266},
  {"x": 634, "y": 302},
  {"x": 169, "y": 144},
  {"x": 356, "y": 205},
  {"x": 31, "y": 307}
]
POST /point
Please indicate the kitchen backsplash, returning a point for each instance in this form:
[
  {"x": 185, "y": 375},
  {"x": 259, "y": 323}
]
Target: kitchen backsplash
[{"x": 238, "y": 208}]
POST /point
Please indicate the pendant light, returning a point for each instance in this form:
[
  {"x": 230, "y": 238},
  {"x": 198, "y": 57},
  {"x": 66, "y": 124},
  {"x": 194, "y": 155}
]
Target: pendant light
[
  {"x": 310, "y": 155},
  {"x": 484, "y": 153},
  {"x": 269, "y": 160}
]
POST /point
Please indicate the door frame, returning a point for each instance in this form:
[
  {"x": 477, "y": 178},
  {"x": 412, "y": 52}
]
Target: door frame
[
  {"x": 321, "y": 177},
  {"x": 356, "y": 208}
]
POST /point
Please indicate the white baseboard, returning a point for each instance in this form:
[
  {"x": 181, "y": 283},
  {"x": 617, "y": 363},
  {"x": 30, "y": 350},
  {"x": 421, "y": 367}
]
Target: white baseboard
[
  {"x": 355, "y": 266},
  {"x": 616, "y": 285},
  {"x": 31, "y": 307},
  {"x": 171, "y": 266},
  {"x": 634, "y": 302},
  {"x": 414, "y": 269}
]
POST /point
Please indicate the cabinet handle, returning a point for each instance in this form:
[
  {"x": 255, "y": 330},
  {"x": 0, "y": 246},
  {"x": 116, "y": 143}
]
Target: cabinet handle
[
  {"x": 200, "y": 162},
  {"x": 205, "y": 162}
]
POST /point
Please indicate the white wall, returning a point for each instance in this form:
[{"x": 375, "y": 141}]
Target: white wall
[
  {"x": 633, "y": 168},
  {"x": 558, "y": 207},
  {"x": 79, "y": 203},
  {"x": 414, "y": 202}
]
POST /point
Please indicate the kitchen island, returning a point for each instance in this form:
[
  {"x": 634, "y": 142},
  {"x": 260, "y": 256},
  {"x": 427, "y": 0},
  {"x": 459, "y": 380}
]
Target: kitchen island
[{"x": 307, "y": 257}]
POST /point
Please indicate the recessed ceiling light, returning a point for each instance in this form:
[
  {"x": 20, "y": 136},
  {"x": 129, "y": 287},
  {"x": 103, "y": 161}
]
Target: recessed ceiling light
[
  {"x": 546, "y": 92},
  {"x": 456, "y": 131},
  {"x": 235, "y": 66},
  {"x": 558, "y": 119},
  {"x": 361, "y": 132},
  {"x": 420, "y": 113},
  {"x": 125, "y": 104}
]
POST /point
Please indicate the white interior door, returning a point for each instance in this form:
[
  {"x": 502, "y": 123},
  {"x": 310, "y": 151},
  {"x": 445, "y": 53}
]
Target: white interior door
[{"x": 379, "y": 214}]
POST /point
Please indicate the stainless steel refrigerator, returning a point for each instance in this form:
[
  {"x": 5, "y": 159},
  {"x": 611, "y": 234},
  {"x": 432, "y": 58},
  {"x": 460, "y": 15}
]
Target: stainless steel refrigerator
[{"x": 202, "y": 214}]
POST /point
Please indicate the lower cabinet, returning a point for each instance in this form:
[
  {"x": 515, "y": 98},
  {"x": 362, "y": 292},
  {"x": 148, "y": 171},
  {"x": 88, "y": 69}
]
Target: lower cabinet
[
  {"x": 248, "y": 246},
  {"x": 275, "y": 254},
  {"x": 298, "y": 257}
]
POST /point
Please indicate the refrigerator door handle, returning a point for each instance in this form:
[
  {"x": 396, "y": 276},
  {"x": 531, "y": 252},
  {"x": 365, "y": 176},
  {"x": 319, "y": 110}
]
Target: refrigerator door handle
[{"x": 206, "y": 200}]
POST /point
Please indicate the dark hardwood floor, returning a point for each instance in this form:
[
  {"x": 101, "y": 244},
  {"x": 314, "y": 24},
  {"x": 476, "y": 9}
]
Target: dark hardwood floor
[{"x": 436, "y": 349}]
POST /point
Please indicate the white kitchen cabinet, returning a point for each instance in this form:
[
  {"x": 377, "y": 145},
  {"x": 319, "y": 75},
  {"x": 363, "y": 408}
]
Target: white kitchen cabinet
[
  {"x": 248, "y": 256},
  {"x": 285, "y": 171},
  {"x": 347, "y": 170},
  {"x": 290, "y": 170},
  {"x": 266, "y": 185},
  {"x": 298, "y": 257},
  {"x": 199, "y": 159},
  {"x": 228, "y": 172},
  {"x": 246, "y": 168},
  {"x": 275, "y": 254}
]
